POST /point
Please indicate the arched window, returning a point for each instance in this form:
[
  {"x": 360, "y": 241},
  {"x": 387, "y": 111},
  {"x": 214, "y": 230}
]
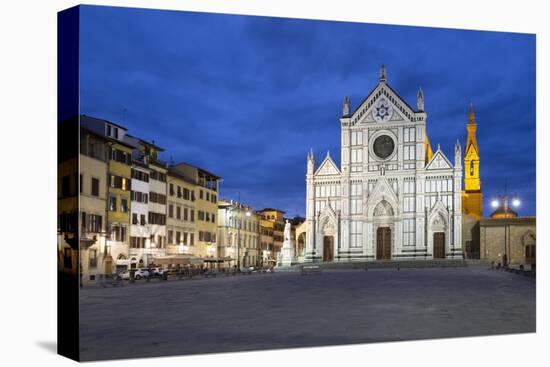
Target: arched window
[{"x": 471, "y": 168}]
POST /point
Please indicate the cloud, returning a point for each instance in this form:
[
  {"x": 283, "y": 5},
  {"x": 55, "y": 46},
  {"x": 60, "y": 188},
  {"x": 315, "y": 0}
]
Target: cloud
[{"x": 246, "y": 97}]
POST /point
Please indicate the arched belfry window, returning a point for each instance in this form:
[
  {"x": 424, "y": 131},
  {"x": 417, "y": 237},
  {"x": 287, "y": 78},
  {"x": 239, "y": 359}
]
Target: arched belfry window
[{"x": 471, "y": 168}]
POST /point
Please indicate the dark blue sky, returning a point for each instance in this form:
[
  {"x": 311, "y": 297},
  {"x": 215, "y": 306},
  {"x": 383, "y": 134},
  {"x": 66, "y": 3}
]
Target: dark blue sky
[{"x": 246, "y": 97}]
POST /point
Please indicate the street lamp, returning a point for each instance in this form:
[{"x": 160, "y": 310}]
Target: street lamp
[
  {"x": 150, "y": 252},
  {"x": 248, "y": 214}
]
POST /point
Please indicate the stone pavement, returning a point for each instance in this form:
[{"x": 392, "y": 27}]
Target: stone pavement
[{"x": 284, "y": 310}]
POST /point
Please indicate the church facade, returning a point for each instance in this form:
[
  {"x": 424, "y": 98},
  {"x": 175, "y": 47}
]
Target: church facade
[{"x": 392, "y": 197}]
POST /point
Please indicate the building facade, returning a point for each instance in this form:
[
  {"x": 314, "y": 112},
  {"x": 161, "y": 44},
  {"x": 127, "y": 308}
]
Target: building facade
[
  {"x": 93, "y": 204},
  {"x": 238, "y": 233},
  {"x": 206, "y": 188},
  {"x": 148, "y": 208},
  {"x": 157, "y": 206},
  {"x": 508, "y": 239},
  {"x": 272, "y": 226},
  {"x": 391, "y": 197},
  {"x": 181, "y": 224},
  {"x": 118, "y": 185}
]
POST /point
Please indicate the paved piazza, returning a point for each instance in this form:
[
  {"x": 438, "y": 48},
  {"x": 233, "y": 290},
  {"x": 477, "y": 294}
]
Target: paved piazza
[{"x": 282, "y": 310}]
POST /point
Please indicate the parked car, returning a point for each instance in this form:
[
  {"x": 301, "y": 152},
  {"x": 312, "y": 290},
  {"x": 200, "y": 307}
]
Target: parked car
[
  {"x": 157, "y": 272},
  {"x": 138, "y": 274}
]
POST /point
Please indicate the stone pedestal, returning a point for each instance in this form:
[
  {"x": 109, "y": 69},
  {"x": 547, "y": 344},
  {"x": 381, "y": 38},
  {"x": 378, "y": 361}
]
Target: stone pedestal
[{"x": 287, "y": 254}]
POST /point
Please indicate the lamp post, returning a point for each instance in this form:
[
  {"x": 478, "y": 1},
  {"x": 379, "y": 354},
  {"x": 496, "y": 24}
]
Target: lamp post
[
  {"x": 505, "y": 202},
  {"x": 248, "y": 214},
  {"x": 151, "y": 249}
]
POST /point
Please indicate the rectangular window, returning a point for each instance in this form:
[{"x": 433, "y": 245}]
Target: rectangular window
[
  {"x": 214, "y": 219},
  {"x": 171, "y": 211},
  {"x": 65, "y": 186},
  {"x": 207, "y": 215},
  {"x": 178, "y": 237},
  {"x": 185, "y": 214},
  {"x": 171, "y": 189},
  {"x": 157, "y": 218},
  {"x": 408, "y": 204},
  {"x": 191, "y": 239},
  {"x": 143, "y": 221},
  {"x": 94, "y": 223},
  {"x": 139, "y": 175},
  {"x": 95, "y": 186},
  {"x": 134, "y": 218},
  {"x": 124, "y": 205},
  {"x": 356, "y": 189},
  {"x": 409, "y": 134},
  {"x": 92, "y": 259},
  {"x": 170, "y": 237},
  {"x": 118, "y": 233},
  {"x": 83, "y": 221},
  {"x": 112, "y": 203},
  {"x": 207, "y": 196},
  {"x": 356, "y": 138},
  {"x": 356, "y": 206},
  {"x": 192, "y": 215},
  {"x": 408, "y": 232},
  {"x": 357, "y": 155},
  {"x": 201, "y": 194},
  {"x": 178, "y": 212}
]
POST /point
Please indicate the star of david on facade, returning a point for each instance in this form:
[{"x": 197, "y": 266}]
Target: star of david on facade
[{"x": 382, "y": 111}]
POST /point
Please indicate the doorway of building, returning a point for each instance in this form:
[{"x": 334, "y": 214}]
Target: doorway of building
[
  {"x": 439, "y": 245},
  {"x": 383, "y": 243},
  {"x": 328, "y": 248}
]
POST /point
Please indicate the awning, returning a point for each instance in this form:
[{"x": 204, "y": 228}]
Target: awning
[
  {"x": 177, "y": 260},
  {"x": 217, "y": 259}
]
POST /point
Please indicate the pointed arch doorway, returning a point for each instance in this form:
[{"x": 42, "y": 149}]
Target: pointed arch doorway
[
  {"x": 383, "y": 243},
  {"x": 439, "y": 245},
  {"x": 328, "y": 248}
]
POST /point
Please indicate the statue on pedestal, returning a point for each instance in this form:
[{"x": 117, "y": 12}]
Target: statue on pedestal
[{"x": 287, "y": 252}]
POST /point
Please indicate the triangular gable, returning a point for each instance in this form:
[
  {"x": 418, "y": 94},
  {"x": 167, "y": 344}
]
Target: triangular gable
[
  {"x": 400, "y": 107},
  {"x": 327, "y": 168},
  {"x": 439, "y": 161},
  {"x": 382, "y": 191},
  {"x": 437, "y": 209}
]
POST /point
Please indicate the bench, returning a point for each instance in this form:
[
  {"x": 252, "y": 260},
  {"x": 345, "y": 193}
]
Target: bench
[{"x": 310, "y": 269}]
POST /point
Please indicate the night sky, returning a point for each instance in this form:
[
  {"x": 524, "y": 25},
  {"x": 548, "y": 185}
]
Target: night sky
[{"x": 246, "y": 97}]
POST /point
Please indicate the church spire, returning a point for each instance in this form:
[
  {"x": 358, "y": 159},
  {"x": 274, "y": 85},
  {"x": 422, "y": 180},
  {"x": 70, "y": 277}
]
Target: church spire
[
  {"x": 420, "y": 100},
  {"x": 472, "y": 117},
  {"x": 346, "y": 107},
  {"x": 310, "y": 162},
  {"x": 383, "y": 76}
]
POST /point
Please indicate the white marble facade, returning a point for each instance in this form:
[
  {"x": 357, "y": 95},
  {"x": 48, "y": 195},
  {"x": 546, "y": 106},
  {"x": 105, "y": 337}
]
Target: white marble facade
[{"x": 391, "y": 197}]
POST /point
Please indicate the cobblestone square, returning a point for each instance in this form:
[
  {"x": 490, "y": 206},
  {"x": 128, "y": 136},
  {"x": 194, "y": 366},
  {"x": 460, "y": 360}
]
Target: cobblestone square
[{"x": 285, "y": 310}]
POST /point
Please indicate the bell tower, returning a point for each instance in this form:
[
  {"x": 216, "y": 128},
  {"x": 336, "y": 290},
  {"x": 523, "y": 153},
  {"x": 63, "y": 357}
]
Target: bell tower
[{"x": 472, "y": 197}]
